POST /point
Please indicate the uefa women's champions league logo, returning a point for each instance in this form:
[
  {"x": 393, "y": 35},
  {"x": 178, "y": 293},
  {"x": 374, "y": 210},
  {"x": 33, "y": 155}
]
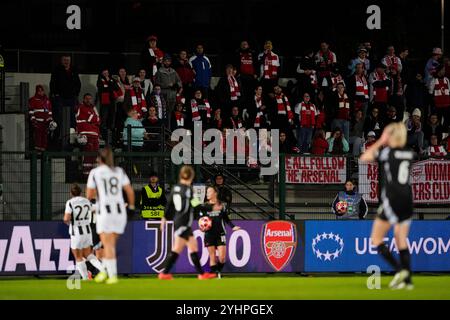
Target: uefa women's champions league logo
[
  {"x": 241, "y": 147},
  {"x": 327, "y": 246}
]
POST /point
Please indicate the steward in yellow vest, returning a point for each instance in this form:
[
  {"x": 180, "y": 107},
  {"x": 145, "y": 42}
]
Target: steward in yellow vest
[{"x": 153, "y": 199}]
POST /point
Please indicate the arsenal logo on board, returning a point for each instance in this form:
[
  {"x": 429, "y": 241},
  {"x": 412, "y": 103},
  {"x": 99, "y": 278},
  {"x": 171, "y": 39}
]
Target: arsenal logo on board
[{"x": 279, "y": 241}]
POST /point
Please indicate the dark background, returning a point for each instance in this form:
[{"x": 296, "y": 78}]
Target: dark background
[{"x": 122, "y": 26}]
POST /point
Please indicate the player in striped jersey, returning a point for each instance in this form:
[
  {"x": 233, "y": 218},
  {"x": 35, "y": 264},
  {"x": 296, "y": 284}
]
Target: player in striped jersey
[
  {"x": 396, "y": 209},
  {"x": 78, "y": 215},
  {"x": 105, "y": 184}
]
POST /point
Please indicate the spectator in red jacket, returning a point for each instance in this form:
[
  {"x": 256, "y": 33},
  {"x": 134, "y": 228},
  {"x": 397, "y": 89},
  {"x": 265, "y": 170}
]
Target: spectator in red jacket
[
  {"x": 108, "y": 92},
  {"x": 88, "y": 128},
  {"x": 246, "y": 62},
  {"x": 186, "y": 74},
  {"x": 306, "y": 121},
  {"x": 319, "y": 143},
  {"x": 40, "y": 111}
]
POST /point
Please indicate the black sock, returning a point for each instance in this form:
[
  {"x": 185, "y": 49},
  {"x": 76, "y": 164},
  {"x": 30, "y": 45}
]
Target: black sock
[
  {"x": 170, "y": 261},
  {"x": 387, "y": 255},
  {"x": 196, "y": 262},
  {"x": 214, "y": 268},
  {"x": 220, "y": 266},
  {"x": 405, "y": 262}
]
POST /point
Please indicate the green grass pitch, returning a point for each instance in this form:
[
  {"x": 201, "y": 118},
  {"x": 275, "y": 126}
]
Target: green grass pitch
[{"x": 232, "y": 287}]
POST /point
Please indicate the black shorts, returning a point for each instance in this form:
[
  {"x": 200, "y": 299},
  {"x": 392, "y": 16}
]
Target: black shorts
[
  {"x": 95, "y": 237},
  {"x": 184, "y": 232},
  {"x": 215, "y": 239},
  {"x": 395, "y": 210}
]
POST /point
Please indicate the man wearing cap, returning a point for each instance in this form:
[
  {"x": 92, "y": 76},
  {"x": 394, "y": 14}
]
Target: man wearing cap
[
  {"x": 151, "y": 56},
  {"x": 360, "y": 59},
  {"x": 169, "y": 81},
  {"x": 415, "y": 132},
  {"x": 370, "y": 140},
  {"x": 135, "y": 99},
  {"x": 153, "y": 199},
  {"x": 432, "y": 63}
]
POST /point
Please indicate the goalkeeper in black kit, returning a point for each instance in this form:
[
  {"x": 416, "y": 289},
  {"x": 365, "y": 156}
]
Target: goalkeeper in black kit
[{"x": 215, "y": 237}]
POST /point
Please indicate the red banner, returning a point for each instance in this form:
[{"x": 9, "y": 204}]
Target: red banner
[
  {"x": 316, "y": 170},
  {"x": 430, "y": 180}
]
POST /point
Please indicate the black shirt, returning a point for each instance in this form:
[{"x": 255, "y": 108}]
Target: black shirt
[
  {"x": 179, "y": 207},
  {"x": 218, "y": 217},
  {"x": 394, "y": 172}
]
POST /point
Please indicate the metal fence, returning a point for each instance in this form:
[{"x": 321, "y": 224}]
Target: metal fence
[{"x": 36, "y": 187}]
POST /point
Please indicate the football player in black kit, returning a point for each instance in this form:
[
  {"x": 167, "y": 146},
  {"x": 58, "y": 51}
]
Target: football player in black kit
[
  {"x": 180, "y": 208},
  {"x": 215, "y": 238},
  {"x": 396, "y": 209}
]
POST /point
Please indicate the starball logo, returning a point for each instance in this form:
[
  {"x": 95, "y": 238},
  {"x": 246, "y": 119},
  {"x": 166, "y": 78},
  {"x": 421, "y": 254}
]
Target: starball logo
[
  {"x": 327, "y": 246},
  {"x": 279, "y": 241},
  {"x": 208, "y": 147}
]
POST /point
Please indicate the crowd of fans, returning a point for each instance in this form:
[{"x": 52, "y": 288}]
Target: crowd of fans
[{"x": 333, "y": 106}]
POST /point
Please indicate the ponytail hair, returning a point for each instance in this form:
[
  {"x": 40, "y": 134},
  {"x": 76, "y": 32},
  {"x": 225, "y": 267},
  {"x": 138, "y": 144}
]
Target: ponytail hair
[
  {"x": 75, "y": 190},
  {"x": 106, "y": 156},
  {"x": 187, "y": 173}
]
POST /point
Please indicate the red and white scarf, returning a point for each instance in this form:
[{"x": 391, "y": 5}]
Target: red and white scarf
[
  {"x": 138, "y": 101},
  {"x": 259, "y": 113},
  {"x": 179, "y": 117},
  {"x": 344, "y": 107},
  {"x": 362, "y": 88},
  {"x": 391, "y": 62},
  {"x": 235, "y": 91},
  {"x": 437, "y": 151},
  {"x": 271, "y": 64},
  {"x": 180, "y": 98},
  {"x": 336, "y": 80},
  {"x": 283, "y": 106},
  {"x": 196, "y": 110}
]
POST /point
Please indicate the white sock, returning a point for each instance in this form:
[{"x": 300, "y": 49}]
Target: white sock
[
  {"x": 111, "y": 267},
  {"x": 82, "y": 269},
  {"x": 95, "y": 262}
]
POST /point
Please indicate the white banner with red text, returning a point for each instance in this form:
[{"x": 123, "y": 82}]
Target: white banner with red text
[{"x": 430, "y": 180}]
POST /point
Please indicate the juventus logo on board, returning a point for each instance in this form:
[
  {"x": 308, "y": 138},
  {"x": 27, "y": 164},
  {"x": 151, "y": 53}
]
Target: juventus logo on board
[{"x": 163, "y": 244}]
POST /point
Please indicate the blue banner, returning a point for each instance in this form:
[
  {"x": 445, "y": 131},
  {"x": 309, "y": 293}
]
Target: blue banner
[{"x": 333, "y": 246}]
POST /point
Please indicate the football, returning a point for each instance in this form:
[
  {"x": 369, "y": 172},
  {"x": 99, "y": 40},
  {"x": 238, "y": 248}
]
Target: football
[
  {"x": 204, "y": 223},
  {"x": 341, "y": 208}
]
